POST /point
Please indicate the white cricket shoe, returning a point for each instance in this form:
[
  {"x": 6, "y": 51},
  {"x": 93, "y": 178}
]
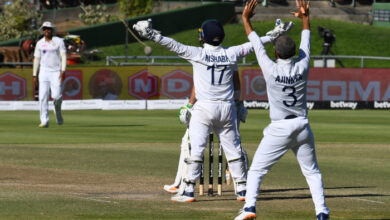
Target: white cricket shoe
[
  {"x": 185, "y": 197},
  {"x": 171, "y": 188},
  {"x": 247, "y": 214},
  {"x": 280, "y": 29}
]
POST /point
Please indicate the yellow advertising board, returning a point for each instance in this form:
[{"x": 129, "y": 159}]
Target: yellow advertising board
[{"x": 124, "y": 83}]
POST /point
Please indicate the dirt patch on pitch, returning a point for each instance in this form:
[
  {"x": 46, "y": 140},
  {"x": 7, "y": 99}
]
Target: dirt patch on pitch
[{"x": 78, "y": 184}]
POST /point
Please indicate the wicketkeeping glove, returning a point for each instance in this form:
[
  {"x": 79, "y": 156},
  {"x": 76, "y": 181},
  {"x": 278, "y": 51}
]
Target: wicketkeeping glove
[
  {"x": 242, "y": 112},
  {"x": 185, "y": 113},
  {"x": 144, "y": 29},
  {"x": 280, "y": 29}
]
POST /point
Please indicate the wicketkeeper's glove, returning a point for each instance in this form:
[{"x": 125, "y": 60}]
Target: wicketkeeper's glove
[
  {"x": 144, "y": 29},
  {"x": 242, "y": 112},
  {"x": 280, "y": 29},
  {"x": 185, "y": 113}
]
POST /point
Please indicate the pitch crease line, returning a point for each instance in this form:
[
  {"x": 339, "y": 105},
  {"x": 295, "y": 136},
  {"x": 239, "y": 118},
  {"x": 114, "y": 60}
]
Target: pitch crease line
[
  {"x": 367, "y": 200},
  {"x": 92, "y": 199}
]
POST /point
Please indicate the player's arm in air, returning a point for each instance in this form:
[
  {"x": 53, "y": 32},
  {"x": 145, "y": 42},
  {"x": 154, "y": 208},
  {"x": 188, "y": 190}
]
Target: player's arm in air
[
  {"x": 280, "y": 29},
  {"x": 261, "y": 54},
  {"x": 258, "y": 43},
  {"x": 144, "y": 29},
  {"x": 304, "y": 48}
]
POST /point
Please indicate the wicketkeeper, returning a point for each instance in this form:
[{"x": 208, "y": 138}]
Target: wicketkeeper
[{"x": 215, "y": 110}]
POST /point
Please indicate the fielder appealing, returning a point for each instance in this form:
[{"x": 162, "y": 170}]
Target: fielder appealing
[
  {"x": 286, "y": 82},
  {"x": 213, "y": 68},
  {"x": 50, "y": 58}
]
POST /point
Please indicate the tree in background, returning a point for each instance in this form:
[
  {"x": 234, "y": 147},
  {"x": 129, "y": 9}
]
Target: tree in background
[
  {"x": 95, "y": 14},
  {"x": 18, "y": 19},
  {"x": 134, "y": 8}
]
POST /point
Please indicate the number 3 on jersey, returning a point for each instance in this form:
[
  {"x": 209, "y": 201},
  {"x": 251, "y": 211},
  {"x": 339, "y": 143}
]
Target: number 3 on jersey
[
  {"x": 216, "y": 69},
  {"x": 291, "y": 93}
]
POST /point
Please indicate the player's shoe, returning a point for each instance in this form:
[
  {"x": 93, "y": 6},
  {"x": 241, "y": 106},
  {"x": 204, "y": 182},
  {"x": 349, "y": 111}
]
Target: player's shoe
[
  {"x": 241, "y": 195},
  {"x": 247, "y": 214},
  {"x": 43, "y": 125},
  {"x": 185, "y": 197},
  {"x": 171, "y": 188},
  {"x": 323, "y": 216},
  {"x": 280, "y": 29}
]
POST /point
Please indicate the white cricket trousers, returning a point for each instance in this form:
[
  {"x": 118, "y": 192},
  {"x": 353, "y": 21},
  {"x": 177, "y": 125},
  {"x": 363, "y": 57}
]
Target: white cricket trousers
[
  {"x": 279, "y": 137},
  {"x": 49, "y": 83},
  {"x": 220, "y": 117}
]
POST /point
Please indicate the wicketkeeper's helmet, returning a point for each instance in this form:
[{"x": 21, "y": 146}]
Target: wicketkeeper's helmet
[{"x": 211, "y": 32}]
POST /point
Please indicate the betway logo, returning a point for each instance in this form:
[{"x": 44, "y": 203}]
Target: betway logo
[
  {"x": 310, "y": 105},
  {"x": 256, "y": 104},
  {"x": 342, "y": 104},
  {"x": 381, "y": 104}
]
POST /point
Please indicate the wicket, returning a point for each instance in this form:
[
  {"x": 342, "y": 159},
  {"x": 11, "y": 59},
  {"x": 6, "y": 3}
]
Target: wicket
[{"x": 210, "y": 190}]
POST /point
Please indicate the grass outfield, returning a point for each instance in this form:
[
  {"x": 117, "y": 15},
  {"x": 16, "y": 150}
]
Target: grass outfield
[
  {"x": 113, "y": 164},
  {"x": 351, "y": 39}
]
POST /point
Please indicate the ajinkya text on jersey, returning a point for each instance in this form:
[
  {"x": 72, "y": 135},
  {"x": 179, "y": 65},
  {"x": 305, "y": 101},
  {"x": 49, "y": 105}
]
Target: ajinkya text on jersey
[{"x": 288, "y": 79}]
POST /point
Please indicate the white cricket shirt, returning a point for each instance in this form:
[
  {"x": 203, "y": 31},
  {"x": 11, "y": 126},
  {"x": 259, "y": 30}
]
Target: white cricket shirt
[
  {"x": 286, "y": 80},
  {"x": 213, "y": 67},
  {"x": 49, "y": 52}
]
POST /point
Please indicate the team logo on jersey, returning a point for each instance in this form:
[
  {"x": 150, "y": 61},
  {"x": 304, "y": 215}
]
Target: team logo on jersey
[{"x": 43, "y": 51}]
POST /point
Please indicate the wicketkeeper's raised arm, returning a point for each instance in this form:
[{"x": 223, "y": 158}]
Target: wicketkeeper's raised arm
[
  {"x": 182, "y": 50},
  {"x": 144, "y": 29}
]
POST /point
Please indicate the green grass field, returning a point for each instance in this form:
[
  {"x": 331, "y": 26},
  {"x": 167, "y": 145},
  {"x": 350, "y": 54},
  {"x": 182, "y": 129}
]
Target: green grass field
[
  {"x": 113, "y": 165},
  {"x": 351, "y": 39}
]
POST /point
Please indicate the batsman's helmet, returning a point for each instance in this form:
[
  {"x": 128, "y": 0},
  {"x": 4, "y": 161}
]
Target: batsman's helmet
[{"x": 211, "y": 32}]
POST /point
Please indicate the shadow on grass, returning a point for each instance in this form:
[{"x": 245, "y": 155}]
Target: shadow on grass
[
  {"x": 297, "y": 189},
  {"x": 268, "y": 198}
]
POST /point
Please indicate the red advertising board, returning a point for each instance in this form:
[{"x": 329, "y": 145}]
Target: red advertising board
[
  {"x": 175, "y": 82},
  {"x": 327, "y": 84},
  {"x": 348, "y": 84}
]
